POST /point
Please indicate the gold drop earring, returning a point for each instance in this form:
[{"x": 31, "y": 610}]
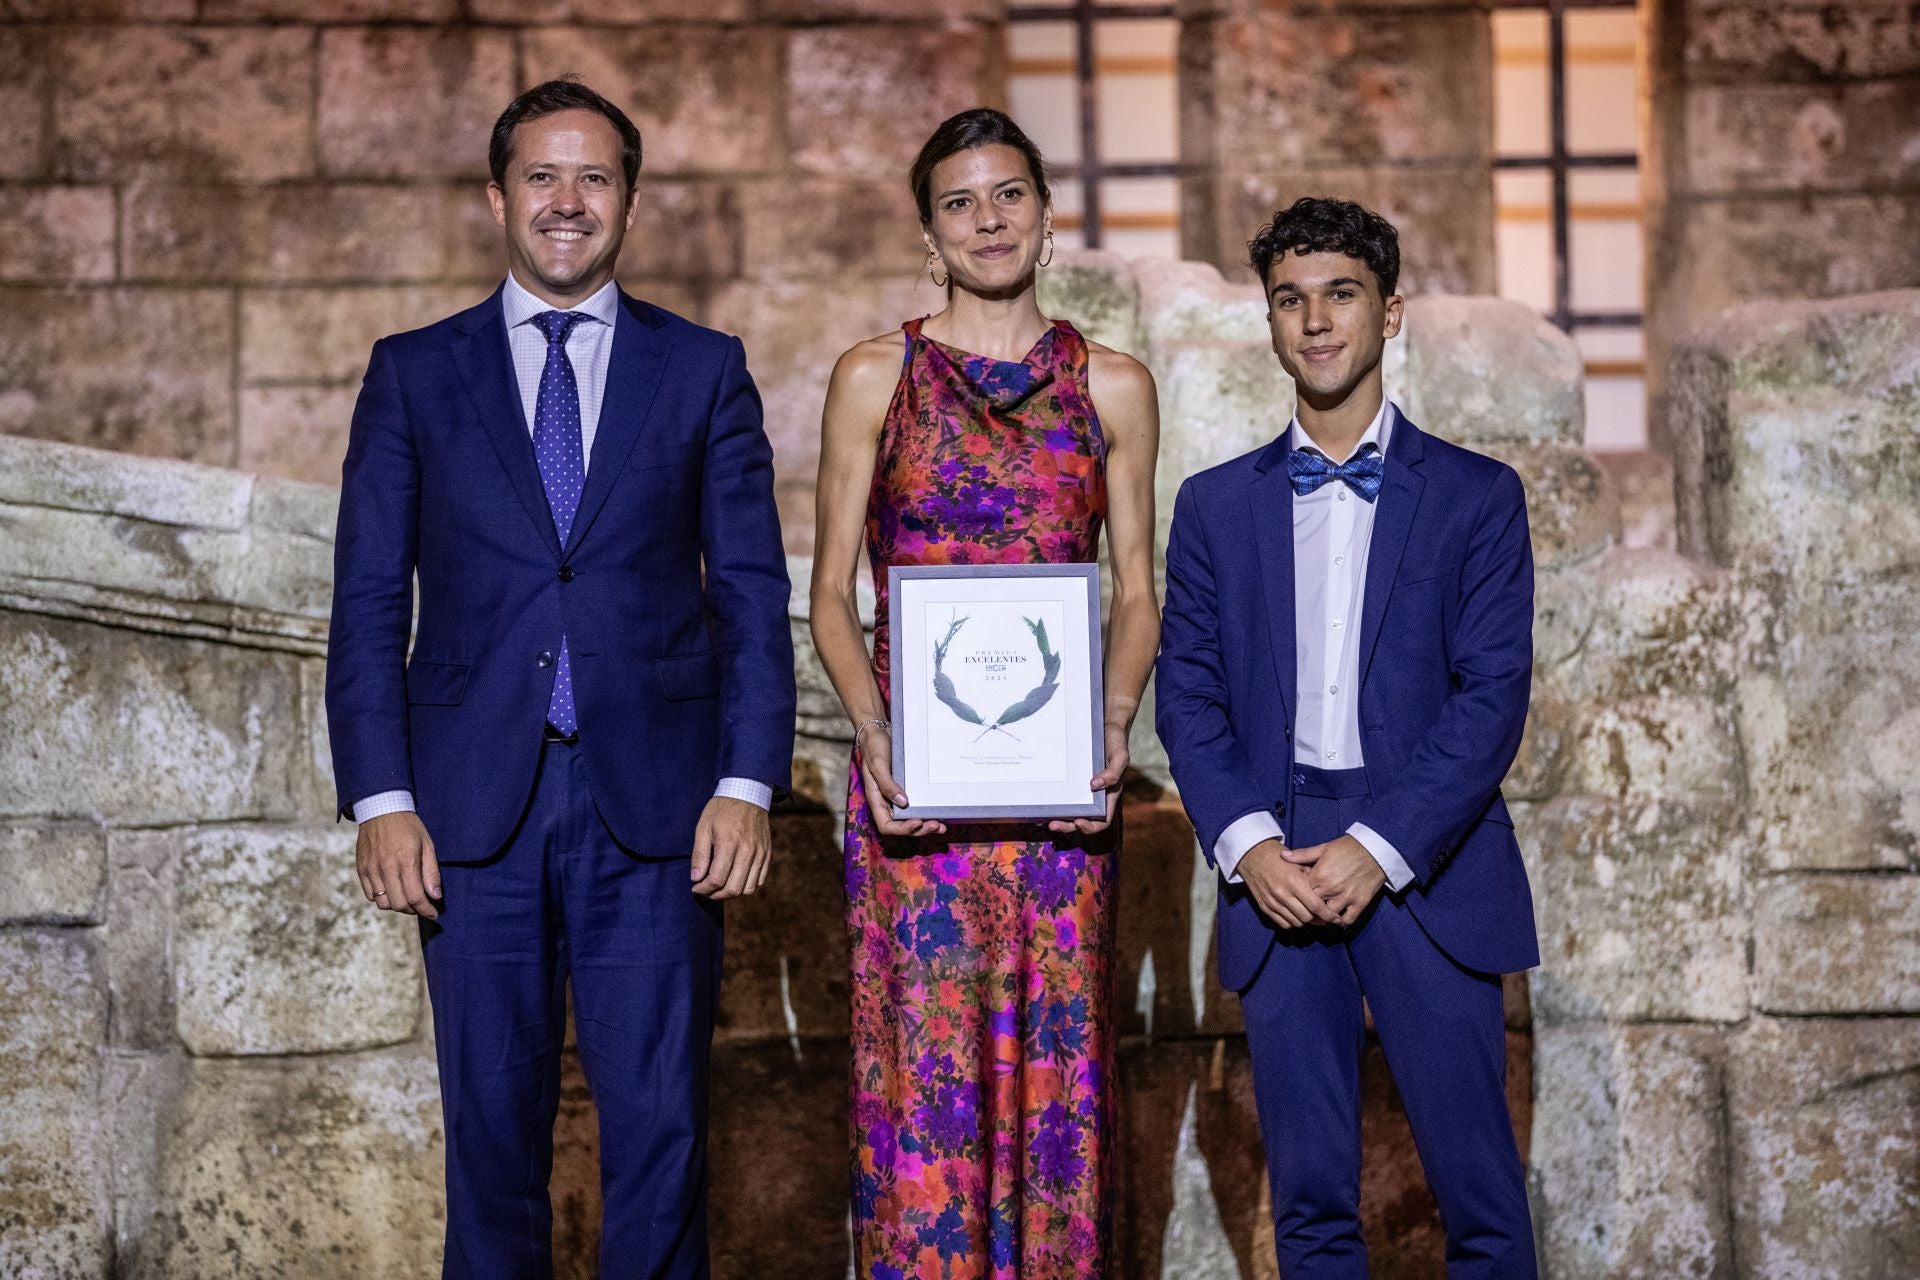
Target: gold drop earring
[{"x": 938, "y": 283}]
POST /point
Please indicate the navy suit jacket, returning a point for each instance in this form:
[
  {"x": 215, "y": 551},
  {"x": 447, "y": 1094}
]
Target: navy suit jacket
[
  {"x": 680, "y": 677},
  {"x": 1446, "y": 663}
]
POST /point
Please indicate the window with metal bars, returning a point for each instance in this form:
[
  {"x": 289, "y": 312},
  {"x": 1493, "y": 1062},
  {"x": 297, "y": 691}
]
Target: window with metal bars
[
  {"x": 1092, "y": 81},
  {"x": 1568, "y": 227}
]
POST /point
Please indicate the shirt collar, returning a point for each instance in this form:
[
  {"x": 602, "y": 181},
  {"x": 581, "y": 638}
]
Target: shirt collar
[
  {"x": 521, "y": 305},
  {"x": 1378, "y": 432}
]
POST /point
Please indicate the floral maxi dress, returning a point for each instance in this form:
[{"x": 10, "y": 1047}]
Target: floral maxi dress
[{"x": 982, "y": 1104}]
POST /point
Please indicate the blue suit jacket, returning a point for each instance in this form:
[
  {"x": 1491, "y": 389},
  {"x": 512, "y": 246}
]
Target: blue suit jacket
[
  {"x": 1446, "y": 662},
  {"x": 679, "y": 679}
]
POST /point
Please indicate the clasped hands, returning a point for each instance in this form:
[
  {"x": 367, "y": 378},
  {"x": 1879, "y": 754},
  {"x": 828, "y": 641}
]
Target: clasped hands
[{"x": 1328, "y": 883}]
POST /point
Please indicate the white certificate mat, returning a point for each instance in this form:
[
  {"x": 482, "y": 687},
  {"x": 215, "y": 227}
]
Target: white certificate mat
[{"x": 997, "y": 690}]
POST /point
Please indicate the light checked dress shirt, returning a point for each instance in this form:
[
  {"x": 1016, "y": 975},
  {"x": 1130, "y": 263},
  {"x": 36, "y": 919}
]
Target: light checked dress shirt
[
  {"x": 1332, "y": 535},
  {"x": 589, "y": 350}
]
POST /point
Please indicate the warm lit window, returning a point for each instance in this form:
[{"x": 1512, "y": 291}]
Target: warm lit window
[
  {"x": 1566, "y": 102},
  {"x": 1093, "y": 84}
]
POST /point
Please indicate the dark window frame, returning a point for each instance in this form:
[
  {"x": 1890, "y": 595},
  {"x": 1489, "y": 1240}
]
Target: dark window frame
[
  {"x": 1091, "y": 171},
  {"x": 1558, "y": 163}
]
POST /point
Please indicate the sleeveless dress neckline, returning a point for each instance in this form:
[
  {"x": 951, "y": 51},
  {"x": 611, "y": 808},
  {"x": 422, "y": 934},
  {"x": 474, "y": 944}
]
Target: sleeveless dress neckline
[{"x": 1004, "y": 383}]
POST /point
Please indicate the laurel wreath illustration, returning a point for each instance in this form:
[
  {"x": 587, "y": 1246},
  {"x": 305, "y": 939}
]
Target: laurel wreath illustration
[{"x": 1036, "y": 697}]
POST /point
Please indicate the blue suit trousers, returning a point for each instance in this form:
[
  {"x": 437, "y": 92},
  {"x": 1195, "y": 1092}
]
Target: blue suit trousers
[
  {"x": 1442, "y": 1028},
  {"x": 564, "y": 902}
]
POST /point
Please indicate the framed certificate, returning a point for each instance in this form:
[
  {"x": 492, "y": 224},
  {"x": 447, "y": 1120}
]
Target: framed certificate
[{"x": 997, "y": 700}]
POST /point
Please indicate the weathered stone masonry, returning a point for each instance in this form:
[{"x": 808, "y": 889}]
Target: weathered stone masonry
[{"x": 215, "y": 1060}]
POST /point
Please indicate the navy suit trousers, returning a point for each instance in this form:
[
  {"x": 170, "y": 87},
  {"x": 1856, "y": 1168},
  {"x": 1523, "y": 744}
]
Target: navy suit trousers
[
  {"x": 1442, "y": 1029},
  {"x": 564, "y": 902}
]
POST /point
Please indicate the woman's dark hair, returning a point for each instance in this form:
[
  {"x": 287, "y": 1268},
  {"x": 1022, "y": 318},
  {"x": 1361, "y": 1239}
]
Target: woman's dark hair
[
  {"x": 545, "y": 100},
  {"x": 978, "y": 127},
  {"x": 1316, "y": 225}
]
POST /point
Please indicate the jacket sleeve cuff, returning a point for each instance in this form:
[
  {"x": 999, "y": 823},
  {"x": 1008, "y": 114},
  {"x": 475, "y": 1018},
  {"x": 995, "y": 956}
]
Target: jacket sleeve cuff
[
  {"x": 1240, "y": 836},
  {"x": 1399, "y": 874},
  {"x": 383, "y": 802}
]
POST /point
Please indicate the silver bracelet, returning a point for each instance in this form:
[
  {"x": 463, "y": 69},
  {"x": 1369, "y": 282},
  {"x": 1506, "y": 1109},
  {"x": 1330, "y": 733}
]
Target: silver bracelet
[{"x": 861, "y": 732}]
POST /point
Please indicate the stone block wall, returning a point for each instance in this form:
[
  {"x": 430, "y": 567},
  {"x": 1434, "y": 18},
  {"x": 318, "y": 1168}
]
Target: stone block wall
[
  {"x": 211, "y": 1061},
  {"x": 1725, "y": 1029},
  {"x": 214, "y": 207},
  {"x": 1782, "y": 157},
  {"x": 215, "y": 1060},
  {"x": 1388, "y": 104}
]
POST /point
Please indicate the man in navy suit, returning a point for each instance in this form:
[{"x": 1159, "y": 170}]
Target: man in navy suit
[
  {"x": 598, "y": 707},
  {"x": 1343, "y": 678}
]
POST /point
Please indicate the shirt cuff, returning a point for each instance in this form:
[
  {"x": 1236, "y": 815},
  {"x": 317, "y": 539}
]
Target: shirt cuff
[
  {"x": 1399, "y": 874},
  {"x": 383, "y": 802},
  {"x": 754, "y": 793},
  {"x": 1241, "y": 835}
]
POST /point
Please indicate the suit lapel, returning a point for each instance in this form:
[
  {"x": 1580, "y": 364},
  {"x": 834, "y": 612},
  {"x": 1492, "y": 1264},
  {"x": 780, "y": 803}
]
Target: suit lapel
[
  {"x": 485, "y": 362},
  {"x": 1270, "y": 508},
  {"x": 1399, "y": 504},
  {"x": 634, "y": 374}
]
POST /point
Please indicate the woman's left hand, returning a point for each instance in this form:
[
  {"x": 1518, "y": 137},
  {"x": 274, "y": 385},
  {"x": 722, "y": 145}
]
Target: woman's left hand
[{"x": 1107, "y": 780}]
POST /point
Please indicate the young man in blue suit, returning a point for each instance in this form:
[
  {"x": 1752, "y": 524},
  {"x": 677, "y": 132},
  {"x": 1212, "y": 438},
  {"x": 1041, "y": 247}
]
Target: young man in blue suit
[
  {"x": 573, "y": 769},
  {"x": 1343, "y": 678}
]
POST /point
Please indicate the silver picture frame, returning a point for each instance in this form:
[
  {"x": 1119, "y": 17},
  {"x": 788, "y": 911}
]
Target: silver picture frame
[{"x": 1039, "y": 773}]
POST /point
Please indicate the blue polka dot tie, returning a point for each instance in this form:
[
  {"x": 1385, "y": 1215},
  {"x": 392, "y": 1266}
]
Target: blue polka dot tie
[{"x": 563, "y": 472}]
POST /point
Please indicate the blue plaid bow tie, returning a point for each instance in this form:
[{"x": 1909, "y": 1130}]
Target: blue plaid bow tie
[{"x": 1363, "y": 472}]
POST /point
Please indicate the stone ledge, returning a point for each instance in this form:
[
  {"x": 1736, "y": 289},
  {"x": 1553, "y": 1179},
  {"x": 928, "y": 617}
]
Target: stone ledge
[
  {"x": 165, "y": 546},
  {"x": 107, "y": 725}
]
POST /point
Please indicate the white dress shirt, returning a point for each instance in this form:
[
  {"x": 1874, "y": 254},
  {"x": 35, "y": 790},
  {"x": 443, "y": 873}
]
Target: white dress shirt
[
  {"x": 1332, "y": 535},
  {"x": 590, "y": 349}
]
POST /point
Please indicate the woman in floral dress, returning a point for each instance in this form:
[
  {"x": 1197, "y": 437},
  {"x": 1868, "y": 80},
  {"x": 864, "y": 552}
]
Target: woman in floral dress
[{"x": 982, "y": 955}]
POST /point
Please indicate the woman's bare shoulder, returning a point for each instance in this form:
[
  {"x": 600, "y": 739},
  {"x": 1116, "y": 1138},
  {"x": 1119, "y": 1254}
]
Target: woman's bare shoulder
[
  {"x": 865, "y": 374},
  {"x": 1116, "y": 373},
  {"x": 872, "y": 357}
]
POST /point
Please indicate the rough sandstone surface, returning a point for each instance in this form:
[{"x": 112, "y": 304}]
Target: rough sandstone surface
[{"x": 1696, "y": 1112}]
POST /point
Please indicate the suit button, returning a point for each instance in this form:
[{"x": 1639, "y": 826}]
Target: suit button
[
  {"x": 1280, "y": 808},
  {"x": 566, "y": 573},
  {"x": 1299, "y": 779},
  {"x": 545, "y": 659}
]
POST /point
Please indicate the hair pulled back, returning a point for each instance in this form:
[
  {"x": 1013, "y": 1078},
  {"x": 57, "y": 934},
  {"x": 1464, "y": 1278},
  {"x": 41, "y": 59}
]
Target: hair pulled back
[{"x": 975, "y": 127}]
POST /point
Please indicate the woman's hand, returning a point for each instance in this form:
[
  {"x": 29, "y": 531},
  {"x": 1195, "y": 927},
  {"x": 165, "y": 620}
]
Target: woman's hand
[
  {"x": 882, "y": 792},
  {"x": 1107, "y": 780}
]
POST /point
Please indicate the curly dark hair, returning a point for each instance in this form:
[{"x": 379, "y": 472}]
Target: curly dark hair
[
  {"x": 1317, "y": 225},
  {"x": 978, "y": 127},
  {"x": 549, "y": 98}
]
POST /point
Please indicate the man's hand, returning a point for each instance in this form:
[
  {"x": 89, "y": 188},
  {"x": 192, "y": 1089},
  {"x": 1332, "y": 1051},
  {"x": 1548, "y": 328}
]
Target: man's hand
[
  {"x": 398, "y": 870},
  {"x": 1343, "y": 873},
  {"x": 732, "y": 847},
  {"x": 1283, "y": 892}
]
